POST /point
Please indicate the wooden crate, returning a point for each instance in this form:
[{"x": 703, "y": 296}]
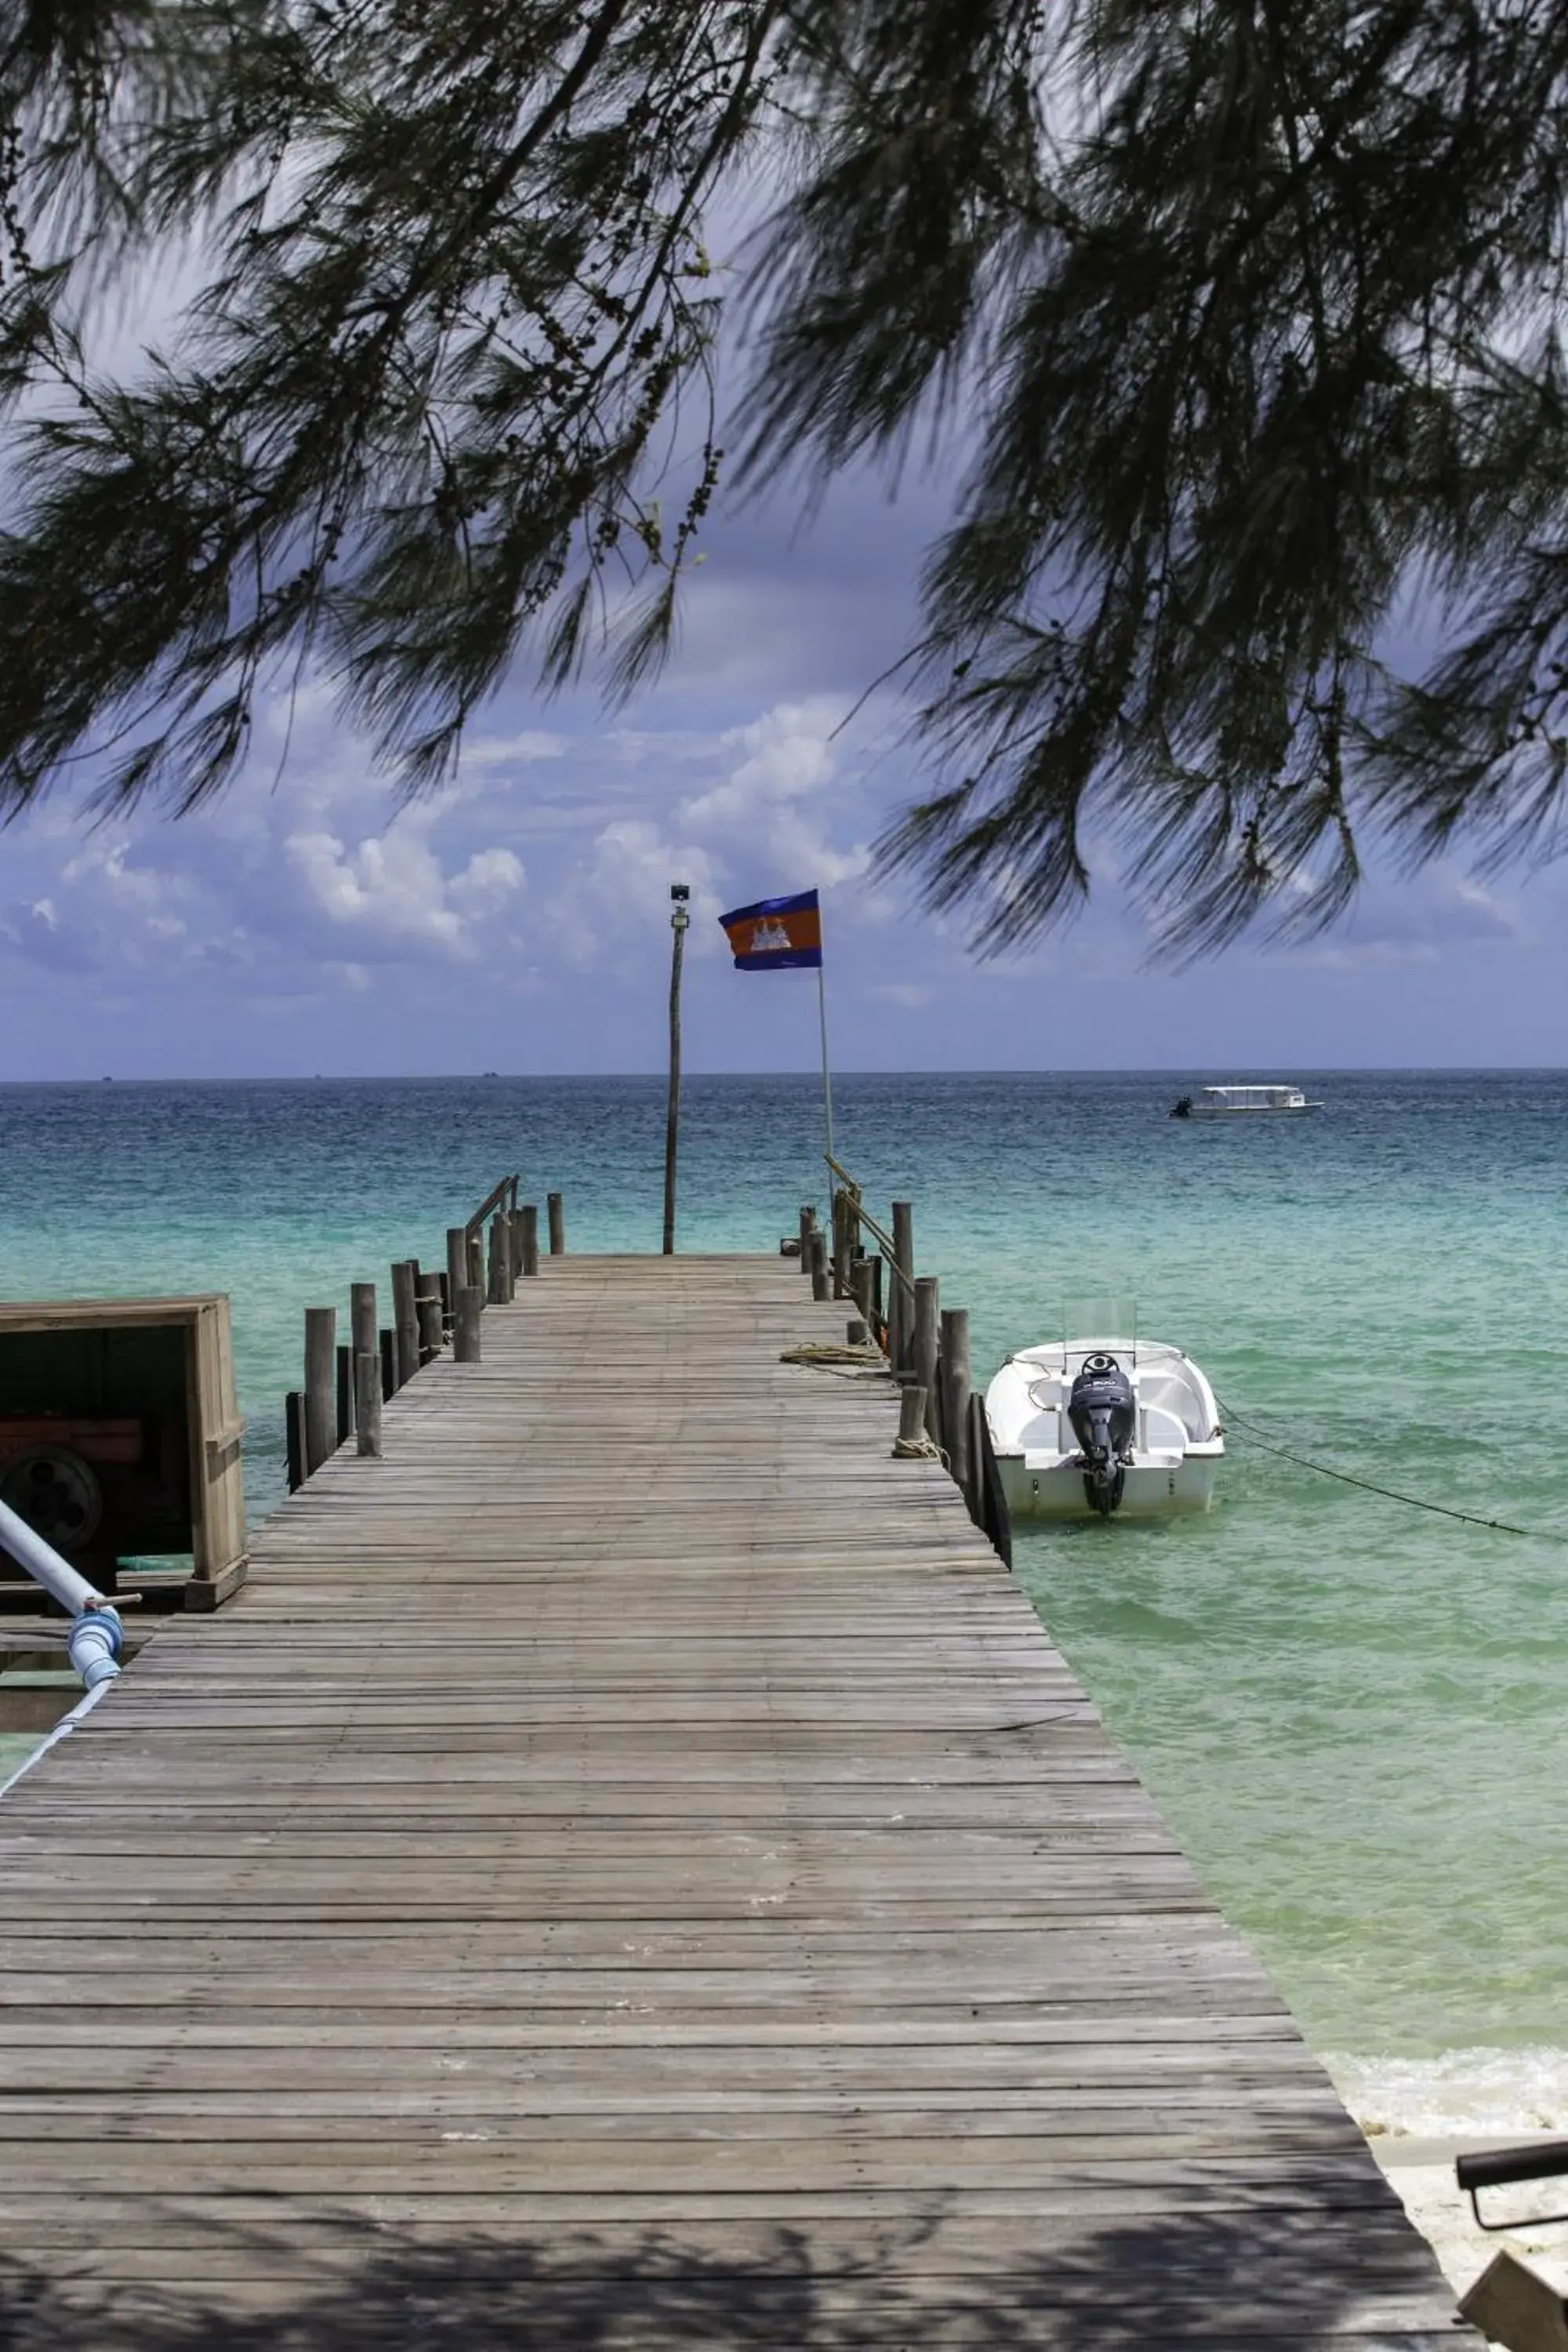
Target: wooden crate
[{"x": 142, "y": 1392}]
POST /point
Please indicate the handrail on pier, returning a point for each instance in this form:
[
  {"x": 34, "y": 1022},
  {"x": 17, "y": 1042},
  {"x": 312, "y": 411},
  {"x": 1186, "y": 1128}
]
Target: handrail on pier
[
  {"x": 505, "y": 1191},
  {"x": 863, "y": 1216},
  {"x": 928, "y": 1348}
]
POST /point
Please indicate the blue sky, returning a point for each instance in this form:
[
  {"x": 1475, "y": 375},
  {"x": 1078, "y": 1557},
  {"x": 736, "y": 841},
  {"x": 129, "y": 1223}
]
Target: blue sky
[{"x": 520, "y": 921}]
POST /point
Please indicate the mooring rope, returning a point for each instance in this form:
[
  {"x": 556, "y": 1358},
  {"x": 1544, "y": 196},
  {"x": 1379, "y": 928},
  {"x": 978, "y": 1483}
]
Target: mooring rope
[
  {"x": 830, "y": 1356},
  {"x": 923, "y": 1448},
  {"x": 1389, "y": 1494}
]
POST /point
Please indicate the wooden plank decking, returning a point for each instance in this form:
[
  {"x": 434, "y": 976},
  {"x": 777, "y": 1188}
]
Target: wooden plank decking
[{"x": 631, "y": 1871}]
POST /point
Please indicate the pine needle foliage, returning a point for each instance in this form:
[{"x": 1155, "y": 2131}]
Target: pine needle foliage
[{"x": 1239, "y": 323}]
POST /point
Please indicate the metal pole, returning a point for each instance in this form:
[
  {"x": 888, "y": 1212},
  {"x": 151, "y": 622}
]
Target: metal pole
[
  {"x": 680, "y": 920},
  {"x": 826, "y": 1077}
]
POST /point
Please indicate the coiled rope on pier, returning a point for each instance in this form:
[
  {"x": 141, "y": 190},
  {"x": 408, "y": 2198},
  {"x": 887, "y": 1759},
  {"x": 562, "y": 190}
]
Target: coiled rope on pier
[
  {"x": 923, "y": 1448},
  {"x": 846, "y": 1362}
]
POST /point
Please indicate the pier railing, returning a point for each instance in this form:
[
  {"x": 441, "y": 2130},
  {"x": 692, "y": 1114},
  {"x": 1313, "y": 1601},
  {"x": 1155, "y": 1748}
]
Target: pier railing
[
  {"x": 926, "y": 1344},
  {"x": 434, "y": 1309}
]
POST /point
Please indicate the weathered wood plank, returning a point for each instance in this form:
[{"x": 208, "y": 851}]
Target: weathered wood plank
[{"x": 639, "y": 1806}]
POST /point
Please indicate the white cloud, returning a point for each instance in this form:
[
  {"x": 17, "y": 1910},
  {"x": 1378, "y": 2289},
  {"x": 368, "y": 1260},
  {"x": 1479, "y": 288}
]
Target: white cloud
[
  {"x": 489, "y": 878},
  {"x": 392, "y": 889},
  {"x": 776, "y": 818}
]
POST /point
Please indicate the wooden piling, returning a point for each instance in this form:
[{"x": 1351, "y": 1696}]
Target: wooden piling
[
  {"x": 427, "y": 1302},
  {"x": 345, "y": 1386},
  {"x": 925, "y": 1348},
  {"x": 362, "y": 1322},
  {"x": 555, "y": 1203},
  {"x": 900, "y": 1305},
  {"x": 294, "y": 1439},
  {"x": 912, "y": 1413},
  {"x": 495, "y": 1273},
  {"x": 856, "y": 1332},
  {"x": 405, "y": 1320},
  {"x": 475, "y": 1266},
  {"x": 844, "y": 1223},
  {"x": 367, "y": 1400},
  {"x": 528, "y": 1219},
  {"x": 388, "y": 1352},
  {"x": 320, "y": 1386},
  {"x": 860, "y": 1290},
  {"x": 990, "y": 1511},
  {"x": 466, "y": 1324},
  {"x": 457, "y": 1267},
  {"x": 955, "y": 1398},
  {"x": 807, "y": 1227},
  {"x": 821, "y": 1282}
]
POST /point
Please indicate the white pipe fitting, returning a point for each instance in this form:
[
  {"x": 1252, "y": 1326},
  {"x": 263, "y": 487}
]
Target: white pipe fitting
[{"x": 96, "y": 1641}]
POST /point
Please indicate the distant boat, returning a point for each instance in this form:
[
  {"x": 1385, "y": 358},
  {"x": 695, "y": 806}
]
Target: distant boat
[
  {"x": 1099, "y": 1424},
  {"x": 1228, "y": 1102}
]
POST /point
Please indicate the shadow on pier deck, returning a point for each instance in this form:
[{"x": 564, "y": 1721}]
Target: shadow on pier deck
[{"x": 631, "y": 1871}]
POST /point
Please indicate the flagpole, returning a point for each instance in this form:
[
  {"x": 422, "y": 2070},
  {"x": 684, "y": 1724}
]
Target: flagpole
[
  {"x": 827, "y": 1074},
  {"x": 679, "y": 920}
]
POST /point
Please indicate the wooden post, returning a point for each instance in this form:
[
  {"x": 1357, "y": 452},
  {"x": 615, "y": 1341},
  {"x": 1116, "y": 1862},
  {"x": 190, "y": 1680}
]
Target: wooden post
[
  {"x": 320, "y": 1386},
  {"x": 925, "y": 1348},
  {"x": 428, "y": 1300},
  {"x": 388, "y": 1362},
  {"x": 556, "y": 1205},
  {"x": 294, "y": 1438},
  {"x": 845, "y": 1223},
  {"x": 457, "y": 1267},
  {"x": 527, "y": 1217},
  {"x": 855, "y": 1332},
  {"x": 680, "y": 922},
  {"x": 900, "y": 1305},
  {"x": 495, "y": 1274},
  {"x": 405, "y": 1320},
  {"x": 990, "y": 1510},
  {"x": 345, "y": 1395},
  {"x": 807, "y": 1227},
  {"x": 507, "y": 1220},
  {"x": 514, "y": 1227},
  {"x": 860, "y": 1280},
  {"x": 956, "y": 1397},
  {"x": 475, "y": 1245},
  {"x": 466, "y": 1324},
  {"x": 362, "y": 1322},
  {"x": 911, "y": 1412},
  {"x": 821, "y": 1286},
  {"x": 367, "y": 1398}
]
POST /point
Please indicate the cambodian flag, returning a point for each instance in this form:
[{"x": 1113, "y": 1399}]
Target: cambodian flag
[{"x": 777, "y": 934}]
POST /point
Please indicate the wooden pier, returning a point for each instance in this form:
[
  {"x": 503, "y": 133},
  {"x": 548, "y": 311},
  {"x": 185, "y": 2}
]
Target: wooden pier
[{"x": 631, "y": 1873}]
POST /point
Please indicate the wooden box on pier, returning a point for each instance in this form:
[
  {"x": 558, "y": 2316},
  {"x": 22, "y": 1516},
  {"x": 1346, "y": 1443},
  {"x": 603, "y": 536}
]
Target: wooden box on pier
[{"x": 119, "y": 1439}]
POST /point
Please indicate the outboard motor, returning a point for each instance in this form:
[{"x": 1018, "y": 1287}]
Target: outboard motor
[{"x": 1104, "y": 1415}]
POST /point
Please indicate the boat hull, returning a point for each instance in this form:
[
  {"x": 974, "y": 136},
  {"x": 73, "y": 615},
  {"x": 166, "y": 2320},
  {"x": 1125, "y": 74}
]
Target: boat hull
[{"x": 1152, "y": 1489}]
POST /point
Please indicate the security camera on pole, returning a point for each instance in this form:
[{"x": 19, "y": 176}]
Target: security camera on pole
[{"x": 680, "y": 920}]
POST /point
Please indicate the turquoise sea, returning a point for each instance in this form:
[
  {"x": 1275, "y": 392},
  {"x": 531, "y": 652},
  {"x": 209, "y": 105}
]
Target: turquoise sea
[{"x": 1353, "y": 1714}]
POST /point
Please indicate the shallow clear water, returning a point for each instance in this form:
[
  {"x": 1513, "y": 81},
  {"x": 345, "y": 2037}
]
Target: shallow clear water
[{"x": 1353, "y": 1714}]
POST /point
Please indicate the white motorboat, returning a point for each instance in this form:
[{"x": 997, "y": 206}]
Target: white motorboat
[
  {"x": 1227, "y": 1102},
  {"x": 1103, "y": 1425}
]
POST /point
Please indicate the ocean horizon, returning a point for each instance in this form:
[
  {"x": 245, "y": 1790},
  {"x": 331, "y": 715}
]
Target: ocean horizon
[{"x": 1350, "y": 1711}]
